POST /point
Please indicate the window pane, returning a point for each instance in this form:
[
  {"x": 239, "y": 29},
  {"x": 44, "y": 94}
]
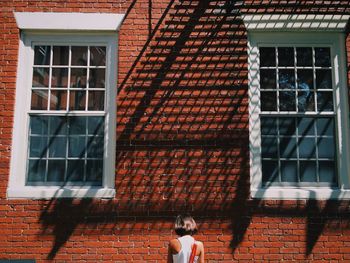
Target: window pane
[
  {"x": 285, "y": 56},
  {"x": 79, "y": 56},
  {"x": 96, "y": 100},
  {"x": 41, "y": 77},
  {"x": 75, "y": 171},
  {"x": 306, "y": 101},
  {"x": 326, "y": 148},
  {"x": 60, "y": 55},
  {"x": 97, "y": 78},
  {"x": 327, "y": 172},
  {"x": 36, "y": 170},
  {"x": 270, "y": 171},
  {"x": 324, "y": 79},
  {"x": 96, "y": 125},
  {"x": 288, "y": 147},
  {"x": 287, "y": 126},
  {"x": 287, "y": 101},
  {"x": 308, "y": 171},
  {"x": 268, "y": 79},
  {"x": 322, "y": 57},
  {"x": 39, "y": 125},
  {"x": 286, "y": 79},
  {"x": 56, "y": 170},
  {"x": 304, "y": 56},
  {"x": 269, "y": 147},
  {"x": 289, "y": 171},
  {"x": 267, "y": 57},
  {"x": 77, "y": 125},
  {"x": 78, "y": 78},
  {"x": 325, "y": 101},
  {"x": 268, "y": 126},
  {"x": 77, "y": 146},
  {"x": 39, "y": 99},
  {"x": 42, "y": 55},
  {"x": 57, "y": 147},
  {"x": 95, "y": 147},
  {"x": 306, "y": 126},
  {"x": 37, "y": 146},
  {"x": 268, "y": 101},
  {"x": 305, "y": 79},
  {"x": 77, "y": 100},
  {"x": 59, "y": 78},
  {"x": 97, "y": 56},
  {"x": 58, "y": 100},
  {"x": 325, "y": 126},
  {"x": 94, "y": 171},
  {"x": 307, "y": 148},
  {"x": 58, "y": 125}
]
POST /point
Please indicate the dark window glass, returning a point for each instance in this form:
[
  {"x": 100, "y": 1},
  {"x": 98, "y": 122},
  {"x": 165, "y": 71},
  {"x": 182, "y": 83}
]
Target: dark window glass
[
  {"x": 322, "y": 57},
  {"x": 304, "y": 56},
  {"x": 267, "y": 56},
  {"x": 285, "y": 57},
  {"x": 268, "y": 101}
]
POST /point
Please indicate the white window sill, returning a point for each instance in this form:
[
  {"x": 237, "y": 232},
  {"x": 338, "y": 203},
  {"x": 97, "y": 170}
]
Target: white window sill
[
  {"x": 49, "y": 192},
  {"x": 290, "y": 193}
]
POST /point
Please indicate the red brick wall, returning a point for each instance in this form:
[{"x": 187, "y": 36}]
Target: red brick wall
[{"x": 182, "y": 146}]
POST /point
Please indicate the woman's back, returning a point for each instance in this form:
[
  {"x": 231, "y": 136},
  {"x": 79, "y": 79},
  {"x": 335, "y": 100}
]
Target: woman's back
[{"x": 184, "y": 254}]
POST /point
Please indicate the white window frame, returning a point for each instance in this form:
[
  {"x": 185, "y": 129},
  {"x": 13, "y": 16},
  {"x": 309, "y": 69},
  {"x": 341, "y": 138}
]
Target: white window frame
[
  {"x": 73, "y": 33},
  {"x": 284, "y": 31}
]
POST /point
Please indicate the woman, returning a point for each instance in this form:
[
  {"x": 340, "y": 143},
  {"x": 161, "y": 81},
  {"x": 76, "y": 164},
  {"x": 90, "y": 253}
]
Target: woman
[{"x": 180, "y": 249}]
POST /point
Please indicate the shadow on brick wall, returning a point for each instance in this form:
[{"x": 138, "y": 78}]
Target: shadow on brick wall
[{"x": 182, "y": 135}]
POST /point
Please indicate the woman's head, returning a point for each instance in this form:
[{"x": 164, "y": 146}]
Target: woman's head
[{"x": 185, "y": 225}]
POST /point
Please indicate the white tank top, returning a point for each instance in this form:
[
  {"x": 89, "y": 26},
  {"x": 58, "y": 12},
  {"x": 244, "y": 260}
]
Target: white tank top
[{"x": 186, "y": 247}]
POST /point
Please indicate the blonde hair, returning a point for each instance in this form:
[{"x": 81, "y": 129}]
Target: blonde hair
[{"x": 185, "y": 225}]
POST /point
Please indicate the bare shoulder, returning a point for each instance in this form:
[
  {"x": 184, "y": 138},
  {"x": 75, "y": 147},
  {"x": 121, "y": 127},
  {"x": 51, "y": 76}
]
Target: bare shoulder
[
  {"x": 174, "y": 245},
  {"x": 199, "y": 244}
]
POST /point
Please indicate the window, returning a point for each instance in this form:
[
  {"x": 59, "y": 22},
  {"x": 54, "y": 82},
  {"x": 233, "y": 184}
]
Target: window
[
  {"x": 299, "y": 134},
  {"x": 63, "y": 141}
]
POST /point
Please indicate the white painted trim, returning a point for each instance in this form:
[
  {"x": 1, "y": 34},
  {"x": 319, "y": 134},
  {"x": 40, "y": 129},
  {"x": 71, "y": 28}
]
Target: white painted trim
[
  {"x": 16, "y": 186},
  {"x": 336, "y": 41},
  {"x": 68, "y": 21},
  {"x": 310, "y": 22}
]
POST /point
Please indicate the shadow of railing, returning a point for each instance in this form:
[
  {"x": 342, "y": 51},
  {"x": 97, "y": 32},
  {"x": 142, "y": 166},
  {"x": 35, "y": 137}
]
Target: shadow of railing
[{"x": 182, "y": 133}]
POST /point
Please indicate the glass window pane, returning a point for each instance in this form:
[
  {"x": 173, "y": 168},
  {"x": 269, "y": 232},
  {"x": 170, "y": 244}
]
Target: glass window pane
[
  {"x": 38, "y": 146},
  {"x": 56, "y": 170},
  {"x": 41, "y": 77},
  {"x": 78, "y": 78},
  {"x": 57, "y": 147},
  {"x": 324, "y": 79},
  {"x": 268, "y": 101},
  {"x": 306, "y": 126},
  {"x": 325, "y": 101},
  {"x": 288, "y": 147},
  {"x": 286, "y": 78},
  {"x": 326, "y": 148},
  {"x": 287, "y": 101},
  {"x": 322, "y": 57},
  {"x": 77, "y": 100},
  {"x": 306, "y": 101},
  {"x": 269, "y": 147},
  {"x": 39, "y": 99},
  {"x": 36, "y": 170},
  {"x": 95, "y": 147},
  {"x": 289, "y": 171},
  {"x": 267, "y": 57},
  {"x": 97, "y": 56},
  {"x": 39, "y": 125},
  {"x": 305, "y": 79},
  {"x": 59, "y": 78},
  {"x": 75, "y": 171},
  {"x": 76, "y": 146},
  {"x": 287, "y": 126},
  {"x": 60, "y": 55},
  {"x": 308, "y": 171},
  {"x": 96, "y": 100},
  {"x": 96, "y": 125},
  {"x": 268, "y": 79},
  {"x": 304, "y": 56},
  {"x": 79, "y": 56},
  {"x": 97, "y": 78},
  {"x": 77, "y": 125},
  {"x": 58, "y": 125},
  {"x": 285, "y": 56},
  {"x": 269, "y": 171},
  {"x": 94, "y": 171},
  {"x": 307, "y": 147},
  {"x": 325, "y": 126},
  {"x": 42, "y": 55},
  {"x": 268, "y": 126},
  {"x": 327, "y": 172},
  {"x": 58, "y": 100}
]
